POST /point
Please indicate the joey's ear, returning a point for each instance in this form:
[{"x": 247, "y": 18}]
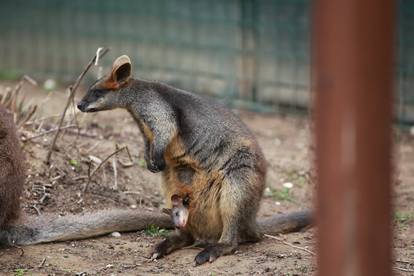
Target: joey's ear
[
  {"x": 176, "y": 200},
  {"x": 166, "y": 211},
  {"x": 121, "y": 69}
]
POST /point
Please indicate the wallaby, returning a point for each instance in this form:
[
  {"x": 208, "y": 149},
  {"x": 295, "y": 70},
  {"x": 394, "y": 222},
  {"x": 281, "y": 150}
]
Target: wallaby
[{"x": 199, "y": 145}]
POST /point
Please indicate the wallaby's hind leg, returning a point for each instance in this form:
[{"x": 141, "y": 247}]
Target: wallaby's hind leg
[
  {"x": 240, "y": 195},
  {"x": 230, "y": 215},
  {"x": 174, "y": 241},
  {"x": 237, "y": 195},
  {"x": 250, "y": 233},
  {"x": 249, "y": 230}
]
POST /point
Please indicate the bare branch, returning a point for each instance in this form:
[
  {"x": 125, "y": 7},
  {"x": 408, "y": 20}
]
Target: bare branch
[
  {"x": 72, "y": 90},
  {"x": 47, "y": 132},
  {"x": 289, "y": 244}
]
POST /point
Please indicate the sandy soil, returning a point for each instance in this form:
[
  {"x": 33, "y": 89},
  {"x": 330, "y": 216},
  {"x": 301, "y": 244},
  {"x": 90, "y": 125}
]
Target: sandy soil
[{"x": 286, "y": 142}]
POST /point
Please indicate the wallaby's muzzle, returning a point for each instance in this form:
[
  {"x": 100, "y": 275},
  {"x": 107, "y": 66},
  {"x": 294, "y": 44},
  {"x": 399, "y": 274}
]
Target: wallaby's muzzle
[{"x": 82, "y": 106}]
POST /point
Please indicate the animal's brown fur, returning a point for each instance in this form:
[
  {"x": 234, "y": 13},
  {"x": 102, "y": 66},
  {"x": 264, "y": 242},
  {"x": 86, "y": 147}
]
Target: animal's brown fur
[{"x": 11, "y": 169}]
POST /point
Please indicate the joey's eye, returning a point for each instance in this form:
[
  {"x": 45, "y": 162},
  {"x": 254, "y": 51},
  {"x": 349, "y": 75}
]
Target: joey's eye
[
  {"x": 176, "y": 214},
  {"x": 186, "y": 201}
]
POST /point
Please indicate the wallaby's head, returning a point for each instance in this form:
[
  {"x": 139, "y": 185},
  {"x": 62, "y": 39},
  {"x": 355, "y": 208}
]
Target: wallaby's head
[{"x": 104, "y": 94}]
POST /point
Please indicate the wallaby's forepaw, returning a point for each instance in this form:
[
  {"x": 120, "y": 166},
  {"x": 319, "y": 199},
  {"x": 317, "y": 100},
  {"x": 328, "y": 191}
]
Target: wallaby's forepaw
[
  {"x": 209, "y": 254},
  {"x": 155, "y": 166}
]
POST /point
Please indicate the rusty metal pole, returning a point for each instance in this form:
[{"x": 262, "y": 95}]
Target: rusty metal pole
[{"x": 353, "y": 79}]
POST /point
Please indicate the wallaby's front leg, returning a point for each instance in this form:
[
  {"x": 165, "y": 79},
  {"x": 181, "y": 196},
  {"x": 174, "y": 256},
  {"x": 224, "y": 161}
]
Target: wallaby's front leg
[
  {"x": 162, "y": 136},
  {"x": 176, "y": 240},
  {"x": 156, "y": 155},
  {"x": 161, "y": 132},
  {"x": 149, "y": 160}
]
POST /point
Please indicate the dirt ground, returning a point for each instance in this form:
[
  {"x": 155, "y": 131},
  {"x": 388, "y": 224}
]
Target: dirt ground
[{"x": 286, "y": 142}]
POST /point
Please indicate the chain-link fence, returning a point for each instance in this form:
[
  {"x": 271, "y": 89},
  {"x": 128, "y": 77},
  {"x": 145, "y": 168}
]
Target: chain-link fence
[{"x": 253, "y": 53}]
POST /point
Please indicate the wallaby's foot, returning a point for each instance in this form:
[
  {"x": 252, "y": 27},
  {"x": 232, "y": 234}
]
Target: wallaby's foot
[
  {"x": 173, "y": 242},
  {"x": 212, "y": 252}
]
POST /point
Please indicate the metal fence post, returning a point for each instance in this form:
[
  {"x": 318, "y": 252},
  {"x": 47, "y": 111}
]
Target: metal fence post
[{"x": 353, "y": 66}]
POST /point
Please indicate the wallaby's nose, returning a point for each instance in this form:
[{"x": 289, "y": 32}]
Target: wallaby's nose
[{"x": 81, "y": 106}]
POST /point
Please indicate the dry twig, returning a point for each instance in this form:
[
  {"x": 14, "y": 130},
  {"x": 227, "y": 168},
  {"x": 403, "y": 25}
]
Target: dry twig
[
  {"x": 115, "y": 187},
  {"x": 20, "y": 249},
  {"x": 22, "y": 112},
  {"x": 46, "y": 133},
  {"x": 289, "y": 244},
  {"x": 72, "y": 90},
  {"x": 42, "y": 263},
  {"x": 131, "y": 161},
  {"x": 90, "y": 174},
  {"x": 37, "y": 210},
  {"x": 404, "y": 269}
]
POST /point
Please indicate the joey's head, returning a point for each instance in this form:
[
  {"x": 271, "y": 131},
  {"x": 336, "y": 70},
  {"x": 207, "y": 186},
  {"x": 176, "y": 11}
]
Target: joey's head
[
  {"x": 105, "y": 93},
  {"x": 180, "y": 210}
]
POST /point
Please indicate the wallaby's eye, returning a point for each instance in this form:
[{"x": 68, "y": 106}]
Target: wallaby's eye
[
  {"x": 176, "y": 213},
  {"x": 99, "y": 91}
]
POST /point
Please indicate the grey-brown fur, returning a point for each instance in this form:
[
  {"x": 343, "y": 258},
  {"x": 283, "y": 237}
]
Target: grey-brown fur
[
  {"x": 199, "y": 145},
  {"x": 11, "y": 169}
]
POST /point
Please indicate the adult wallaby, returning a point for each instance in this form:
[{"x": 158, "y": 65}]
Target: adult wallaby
[{"x": 199, "y": 145}]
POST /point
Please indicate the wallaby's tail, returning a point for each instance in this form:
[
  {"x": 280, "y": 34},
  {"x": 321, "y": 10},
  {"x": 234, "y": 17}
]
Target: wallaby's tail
[
  {"x": 42, "y": 229},
  {"x": 285, "y": 223}
]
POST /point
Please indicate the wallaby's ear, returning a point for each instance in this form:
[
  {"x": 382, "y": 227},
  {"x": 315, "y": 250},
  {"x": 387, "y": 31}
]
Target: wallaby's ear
[
  {"x": 176, "y": 200},
  {"x": 121, "y": 69}
]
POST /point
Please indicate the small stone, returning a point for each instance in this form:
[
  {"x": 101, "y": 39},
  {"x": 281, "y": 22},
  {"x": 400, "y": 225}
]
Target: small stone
[
  {"x": 49, "y": 84},
  {"x": 115, "y": 234},
  {"x": 268, "y": 192},
  {"x": 288, "y": 185}
]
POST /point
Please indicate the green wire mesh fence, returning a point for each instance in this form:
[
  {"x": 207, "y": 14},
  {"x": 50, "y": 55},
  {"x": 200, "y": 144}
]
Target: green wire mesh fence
[{"x": 251, "y": 53}]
